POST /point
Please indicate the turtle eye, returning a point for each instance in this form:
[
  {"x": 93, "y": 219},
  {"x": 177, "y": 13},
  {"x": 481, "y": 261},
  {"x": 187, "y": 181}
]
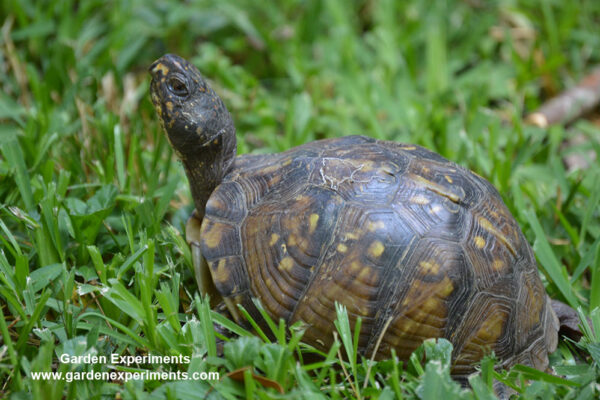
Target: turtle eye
[{"x": 177, "y": 86}]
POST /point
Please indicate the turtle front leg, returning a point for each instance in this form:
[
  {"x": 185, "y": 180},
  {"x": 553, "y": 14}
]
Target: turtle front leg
[{"x": 201, "y": 270}]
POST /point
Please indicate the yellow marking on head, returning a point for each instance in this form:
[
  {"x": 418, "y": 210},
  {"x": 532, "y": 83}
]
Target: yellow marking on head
[
  {"x": 479, "y": 242},
  {"x": 162, "y": 68},
  {"x": 169, "y": 105},
  {"x": 419, "y": 199},
  {"x": 448, "y": 178},
  {"x": 429, "y": 267},
  {"x": 274, "y": 239},
  {"x": 314, "y": 218},
  {"x": 373, "y": 226},
  {"x": 376, "y": 248},
  {"x": 342, "y": 248},
  {"x": 178, "y": 64},
  {"x": 487, "y": 225},
  {"x": 498, "y": 265},
  {"x": 286, "y": 263}
]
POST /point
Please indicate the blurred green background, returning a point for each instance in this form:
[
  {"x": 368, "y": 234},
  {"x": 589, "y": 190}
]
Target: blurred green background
[{"x": 93, "y": 202}]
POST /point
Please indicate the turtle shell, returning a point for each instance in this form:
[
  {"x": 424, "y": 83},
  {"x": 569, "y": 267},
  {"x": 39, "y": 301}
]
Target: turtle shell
[{"x": 415, "y": 245}]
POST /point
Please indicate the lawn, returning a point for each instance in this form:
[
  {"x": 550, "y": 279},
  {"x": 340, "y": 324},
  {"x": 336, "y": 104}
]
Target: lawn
[{"x": 93, "y": 202}]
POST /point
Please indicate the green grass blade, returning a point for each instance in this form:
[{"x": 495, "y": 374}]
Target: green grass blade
[{"x": 548, "y": 260}]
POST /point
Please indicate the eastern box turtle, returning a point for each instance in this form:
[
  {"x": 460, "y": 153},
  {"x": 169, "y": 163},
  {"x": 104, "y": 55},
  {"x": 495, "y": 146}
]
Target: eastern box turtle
[{"x": 417, "y": 246}]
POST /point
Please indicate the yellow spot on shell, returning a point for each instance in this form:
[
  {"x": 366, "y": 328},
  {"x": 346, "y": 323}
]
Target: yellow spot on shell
[
  {"x": 409, "y": 148},
  {"x": 447, "y": 288},
  {"x": 169, "y": 105},
  {"x": 286, "y": 263},
  {"x": 221, "y": 272},
  {"x": 286, "y": 162},
  {"x": 373, "y": 226},
  {"x": 274, "y": 239},
  {"x": 479, "y": 242},
  {"x": 351, "y": 236},
  {"x": 429, "y": 267},
  {"x": 439, "y": 189},
  {"x": 435, "y": 209},
  {"x": 491, "y": 329},
  {"x": 292, "y": 240},
  {"x": 314, "y": 218},
  {"x": 448, "y": 178},
  {"x": 376, "y": 248},
  {"x": 355, "y": 268},
  {"x": 212, "y": 238},
  {"x": 419, "y": 199},
  {"x": 498, "y": 265},
  {"x": 342, "y": 248},
  {"x": 487, "y": 225}
]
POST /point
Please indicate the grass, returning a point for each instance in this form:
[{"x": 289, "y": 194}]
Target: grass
[{"x": 93, "y": 204}]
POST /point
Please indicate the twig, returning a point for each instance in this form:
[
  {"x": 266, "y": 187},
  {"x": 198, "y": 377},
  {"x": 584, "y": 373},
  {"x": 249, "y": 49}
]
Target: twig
[
  {"x": 570, "y": 104},
  {"x": 14, "y": 62}
]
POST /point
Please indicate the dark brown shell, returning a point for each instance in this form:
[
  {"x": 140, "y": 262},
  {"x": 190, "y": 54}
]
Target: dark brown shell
[{"x": 395, "y": 233}]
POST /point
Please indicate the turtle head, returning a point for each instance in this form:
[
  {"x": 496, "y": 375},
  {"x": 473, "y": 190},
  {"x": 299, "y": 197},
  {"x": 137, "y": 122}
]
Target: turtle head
[
  {"x": 192, "y": 114},
  {"x": 196, "y": 122}
]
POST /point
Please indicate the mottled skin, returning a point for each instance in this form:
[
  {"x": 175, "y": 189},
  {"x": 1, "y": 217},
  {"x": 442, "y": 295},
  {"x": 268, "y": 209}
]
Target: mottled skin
[{"x": 414, "y": 244}]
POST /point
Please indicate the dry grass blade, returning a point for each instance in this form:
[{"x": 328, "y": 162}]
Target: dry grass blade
[
  {"x": 385, "y": 328},
  {"x": 346, "y": 374}
]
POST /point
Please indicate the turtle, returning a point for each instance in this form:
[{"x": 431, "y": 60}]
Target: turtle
[{"x": 415, "y": 245}]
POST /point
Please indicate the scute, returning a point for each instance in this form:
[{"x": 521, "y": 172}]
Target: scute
[{"x": 415, "y": 245}]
